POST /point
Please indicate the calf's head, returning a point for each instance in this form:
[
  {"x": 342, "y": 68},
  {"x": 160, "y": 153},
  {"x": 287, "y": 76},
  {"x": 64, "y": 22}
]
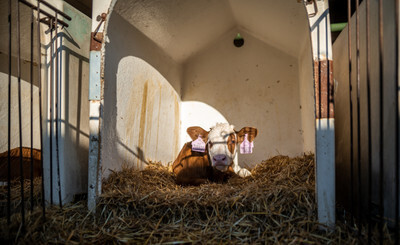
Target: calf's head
[{"x": 222, "y": 142}]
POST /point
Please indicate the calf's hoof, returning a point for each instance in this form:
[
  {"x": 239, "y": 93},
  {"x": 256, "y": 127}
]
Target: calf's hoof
[{"x": 244, "y": 173}]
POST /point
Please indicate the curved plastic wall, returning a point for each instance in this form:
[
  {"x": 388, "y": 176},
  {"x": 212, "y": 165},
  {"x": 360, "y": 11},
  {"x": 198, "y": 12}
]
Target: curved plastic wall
[{"x": 154, "y": 89}]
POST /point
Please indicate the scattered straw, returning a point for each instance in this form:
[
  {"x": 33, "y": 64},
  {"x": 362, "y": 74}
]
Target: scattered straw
[
  {"x": 16, "y": 195},
  {"x": 275, "y": 205}
]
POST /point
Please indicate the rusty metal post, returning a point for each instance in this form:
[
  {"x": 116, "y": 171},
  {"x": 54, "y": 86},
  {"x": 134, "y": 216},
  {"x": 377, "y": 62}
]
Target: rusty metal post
[
  {"x": 20, "y": 117},
  {"x": 40, "y": 107},
  {"x": 51, "y": 110},
  {"x": 351, "y": 111},
  {"x": 9, "y": 118},
  {"x": 31, "y": 78},
  {"x": 57, "y": 110},
  {"x": 358, "y": 118},
  {"x": 368, "y": 54},
  {"x": 381, "y": 121},
  {"x": 396, "y": 87}
]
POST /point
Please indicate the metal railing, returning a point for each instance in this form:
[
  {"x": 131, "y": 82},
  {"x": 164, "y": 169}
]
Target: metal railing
[{"x": 53, "y": 21}]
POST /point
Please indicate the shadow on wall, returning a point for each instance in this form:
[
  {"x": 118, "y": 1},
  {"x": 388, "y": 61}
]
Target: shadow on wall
[
  {"x": 147, "y": 120},
  {"x": 139, "y": 154},
  {"x": 68, "y": 83},
  {"x": 141, "y": 103},
  {"x": 73, "y": 111}
]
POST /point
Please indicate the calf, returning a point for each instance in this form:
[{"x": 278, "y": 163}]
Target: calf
[
  {"x": 211, "y": 155},
  {"x": 15, "y": 164}
]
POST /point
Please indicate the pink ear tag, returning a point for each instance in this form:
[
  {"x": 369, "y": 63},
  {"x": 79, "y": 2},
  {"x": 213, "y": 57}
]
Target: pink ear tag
[
  {"x": 246, "y": 147},
  {"x": 199, "y": 145}
]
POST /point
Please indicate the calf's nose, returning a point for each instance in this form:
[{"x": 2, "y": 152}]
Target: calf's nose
[{"x": 219, "y": 158}]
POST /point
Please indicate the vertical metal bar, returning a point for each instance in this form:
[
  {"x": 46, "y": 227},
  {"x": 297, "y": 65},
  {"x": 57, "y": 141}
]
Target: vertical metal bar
[
  {"x": 369, "y": 124},
  {"x": 57, "y": 110},
  {"x": 9, "y": 118},
  {"x": 396, "y": 87},
  {"x": 358, "y": 118},
  {"x": 20, "y": 118},
  {"x": 381, "y": 121},
  {"x": 40, "y": 107},
  {"x": 351, "y": 111},
  {"x": 31, "y": 77},
  {"x": 51, "y": 111}
]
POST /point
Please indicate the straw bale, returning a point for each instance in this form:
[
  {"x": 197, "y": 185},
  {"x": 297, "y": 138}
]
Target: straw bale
[{"x": 274, "y": 205}]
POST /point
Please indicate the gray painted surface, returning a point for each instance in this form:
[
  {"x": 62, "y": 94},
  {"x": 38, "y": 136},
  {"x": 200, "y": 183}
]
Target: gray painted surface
[
  {"x": 74, "y": 108},
  {"x": 94, "y": 183},
  {"x": 94, "y": 79},
  {"x": 325, "y": 171},
  {"x": 324, "y": 128}
]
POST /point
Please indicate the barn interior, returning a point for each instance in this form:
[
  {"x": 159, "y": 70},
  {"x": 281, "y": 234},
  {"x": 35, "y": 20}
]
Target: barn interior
[
  {"x": 168, "y": 67},
  {"x": 165, "y": 67}
]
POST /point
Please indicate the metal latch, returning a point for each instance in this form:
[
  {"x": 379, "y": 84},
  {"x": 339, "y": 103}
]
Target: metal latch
[
  {"x": 97, "y": 37},
  {"x": 308, "y": 2}
]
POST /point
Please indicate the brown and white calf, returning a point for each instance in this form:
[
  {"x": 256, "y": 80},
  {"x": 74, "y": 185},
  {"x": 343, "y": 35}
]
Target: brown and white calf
[
  {"x": 195, "y": 165},
  {"x": 15, "y": 164}
]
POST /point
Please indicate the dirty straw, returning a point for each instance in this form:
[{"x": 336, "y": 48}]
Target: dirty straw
[{"x": 275, "y": 205}]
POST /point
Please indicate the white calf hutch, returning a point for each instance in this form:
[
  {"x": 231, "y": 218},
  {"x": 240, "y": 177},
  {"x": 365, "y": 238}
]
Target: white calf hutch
[
  {"x": 157, "y": 67},
  {"x": 164, "y": 66},
  {"x": 120, "y": 87}
]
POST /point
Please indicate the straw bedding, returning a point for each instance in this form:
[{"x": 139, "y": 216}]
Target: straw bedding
[
  {"x": 16, "y": 195},
  {"x": 275, "y": 205}
]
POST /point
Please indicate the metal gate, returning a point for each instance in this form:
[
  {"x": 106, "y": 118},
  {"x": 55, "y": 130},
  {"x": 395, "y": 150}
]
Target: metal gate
[{"x": 21, "y": 157}]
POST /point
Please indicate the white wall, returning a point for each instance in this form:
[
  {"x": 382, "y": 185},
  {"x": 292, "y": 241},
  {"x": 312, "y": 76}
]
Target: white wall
[
  {"x": 196, "y": 113},
  {"x": 255, "y": 85},
  {"x": 147, "y": 114},
  {"x": 25, "y": 80},
  {"x": 141, "y": 103},
  {"x": 74, "y": 104},
  {"x": 26, "y": 110},
  {"x": 73, "y": 53},
  {"x": 307, "y": 96}
]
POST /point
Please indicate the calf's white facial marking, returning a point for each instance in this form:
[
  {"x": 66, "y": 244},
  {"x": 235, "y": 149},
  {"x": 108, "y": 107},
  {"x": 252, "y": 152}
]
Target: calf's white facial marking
[
  {"x": 222, "y": 143},
  {"x": 222, "y": 146}
]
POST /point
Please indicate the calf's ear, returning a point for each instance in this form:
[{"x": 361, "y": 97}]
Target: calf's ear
[
  {"x": 250, "y": 131},
  {"x": 195, "y": 132}
]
